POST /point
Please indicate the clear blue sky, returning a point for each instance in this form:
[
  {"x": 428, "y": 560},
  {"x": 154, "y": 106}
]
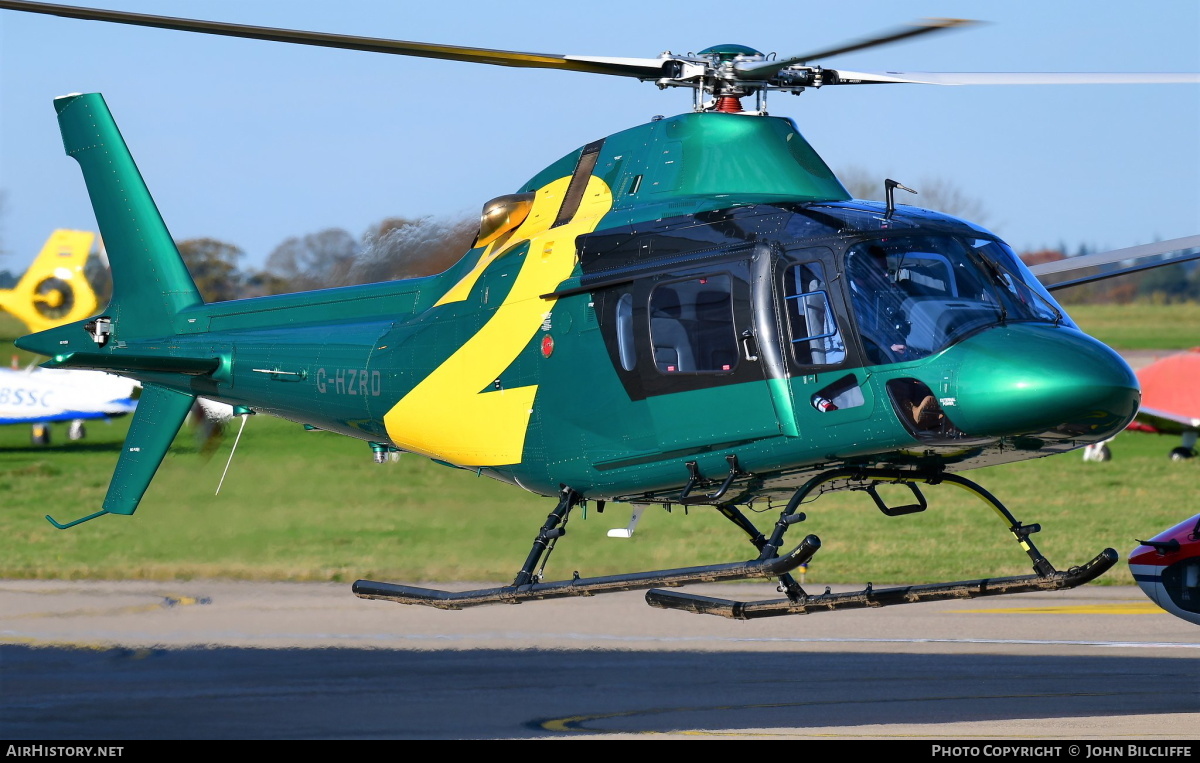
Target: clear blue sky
[{"x": 253, "y": 142}]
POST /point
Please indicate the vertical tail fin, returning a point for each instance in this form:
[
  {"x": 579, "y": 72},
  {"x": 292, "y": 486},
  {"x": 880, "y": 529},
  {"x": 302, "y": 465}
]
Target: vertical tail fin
[
  {"x": 55, "y": 289},
  {"x": 151, "y": 284}
]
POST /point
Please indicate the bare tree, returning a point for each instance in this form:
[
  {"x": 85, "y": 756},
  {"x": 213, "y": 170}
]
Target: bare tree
[
  {"x": 314, "y": 261},
  {"x": 3, "y": 209},
  {"x": 861, "y": 183},
  {"x": 395, "y": 248},
  {"x": 214, "y": 267},
  {"x": 938, "y": 194},
  {"x": 402, "y": 248}
]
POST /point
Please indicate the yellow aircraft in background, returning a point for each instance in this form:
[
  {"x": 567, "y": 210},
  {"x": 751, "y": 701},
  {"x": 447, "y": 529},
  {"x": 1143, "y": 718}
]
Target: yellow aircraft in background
[{"x": 54, "y": 290}]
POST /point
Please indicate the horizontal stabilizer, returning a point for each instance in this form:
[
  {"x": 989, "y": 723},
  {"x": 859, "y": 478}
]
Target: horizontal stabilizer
[
  {"x": 159, "y": 415},
  {"x": 133, "y": 364}
]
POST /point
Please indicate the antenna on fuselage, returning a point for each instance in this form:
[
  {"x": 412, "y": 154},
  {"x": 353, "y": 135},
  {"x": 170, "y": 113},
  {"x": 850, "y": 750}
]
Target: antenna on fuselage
[
  {"x": 890, "y": 186},
  {"x": 245, "y": 413}
]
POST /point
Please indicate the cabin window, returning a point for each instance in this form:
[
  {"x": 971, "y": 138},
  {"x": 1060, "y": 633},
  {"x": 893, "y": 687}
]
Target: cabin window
[
  {"x": 816, "y": 340},
  {"x": 691, "y": 326},
  {"x": 625, "y": 332}
]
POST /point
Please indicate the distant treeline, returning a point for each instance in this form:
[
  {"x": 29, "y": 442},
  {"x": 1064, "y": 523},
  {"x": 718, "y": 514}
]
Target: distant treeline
[
  {"x": 395, "y": 248},
  {"x": 1162, "y": 285}
]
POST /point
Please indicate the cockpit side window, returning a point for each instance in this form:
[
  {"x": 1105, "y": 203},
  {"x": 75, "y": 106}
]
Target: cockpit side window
[
  {"x": 691, "y": 326},
  {"x": 815, "y": 337},
  {"x": 882, "y": 304},
  {"x": 625, "y": 340}
]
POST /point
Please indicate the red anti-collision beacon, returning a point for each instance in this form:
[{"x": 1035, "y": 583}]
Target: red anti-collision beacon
[{"x": 1167, "y": 567}]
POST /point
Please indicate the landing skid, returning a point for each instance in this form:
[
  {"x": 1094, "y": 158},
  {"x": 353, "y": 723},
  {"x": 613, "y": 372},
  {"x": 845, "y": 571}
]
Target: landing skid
[
  {"x": 765, "y": 568},
  {"x": 528, "y": 585},
  {"x": 871, "y": 597},
  {"x": 1046, "y": 578}
]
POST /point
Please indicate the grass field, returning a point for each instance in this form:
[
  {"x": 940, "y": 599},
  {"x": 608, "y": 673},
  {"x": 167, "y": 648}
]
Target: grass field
[
  {"x": 300, "y": 505},
  {"x": 1141, "y": 326}
]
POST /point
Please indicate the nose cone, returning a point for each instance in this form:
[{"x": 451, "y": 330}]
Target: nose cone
[
  {"x": 1034, "y": 379},
  {"x": 1167, "y": 569}
]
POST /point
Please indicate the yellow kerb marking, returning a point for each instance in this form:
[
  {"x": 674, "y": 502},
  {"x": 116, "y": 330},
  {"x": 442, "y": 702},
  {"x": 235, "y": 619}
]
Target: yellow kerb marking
[
  {"x": 1132, "y": 608},
  {"x": 454, "y": 414}
]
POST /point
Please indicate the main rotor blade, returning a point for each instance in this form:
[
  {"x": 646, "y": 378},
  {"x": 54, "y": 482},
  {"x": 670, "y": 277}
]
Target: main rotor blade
[
  {"x": 626, "y": 67},
  {"x": 844, "y": 77},
  {"x": 1116, "y": 255},
  {"x": 1188, "y": 249},
  {"x": 925, "y": 26}
]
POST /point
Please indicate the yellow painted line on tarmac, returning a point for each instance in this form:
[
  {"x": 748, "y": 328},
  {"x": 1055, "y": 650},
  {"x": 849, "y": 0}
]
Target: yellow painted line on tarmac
[
  {"x": 139, "y": 653},
  {"x": 1130, "y": 608},
  {"x": 575, "y": 724},
  {"x": 166, "y": 603}
]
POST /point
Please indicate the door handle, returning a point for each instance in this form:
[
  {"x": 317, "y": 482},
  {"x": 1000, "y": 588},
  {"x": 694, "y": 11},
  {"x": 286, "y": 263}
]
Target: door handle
[{"x": 747, "y": 344}]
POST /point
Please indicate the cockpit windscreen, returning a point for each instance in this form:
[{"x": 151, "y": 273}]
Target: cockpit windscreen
[{"x": 915, "y": 295}]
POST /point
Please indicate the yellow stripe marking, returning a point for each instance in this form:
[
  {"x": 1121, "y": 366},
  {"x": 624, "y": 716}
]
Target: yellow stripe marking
[{"x": 453, "y": 414}]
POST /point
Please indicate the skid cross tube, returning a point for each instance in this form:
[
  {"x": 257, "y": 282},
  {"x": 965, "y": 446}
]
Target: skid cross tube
[
  {"x": 787, "y": 584},
  {"x": 1046, "y": 578}
]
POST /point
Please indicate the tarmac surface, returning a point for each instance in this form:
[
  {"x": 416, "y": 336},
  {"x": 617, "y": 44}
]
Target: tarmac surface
[{"x": 287, "y": 661}]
